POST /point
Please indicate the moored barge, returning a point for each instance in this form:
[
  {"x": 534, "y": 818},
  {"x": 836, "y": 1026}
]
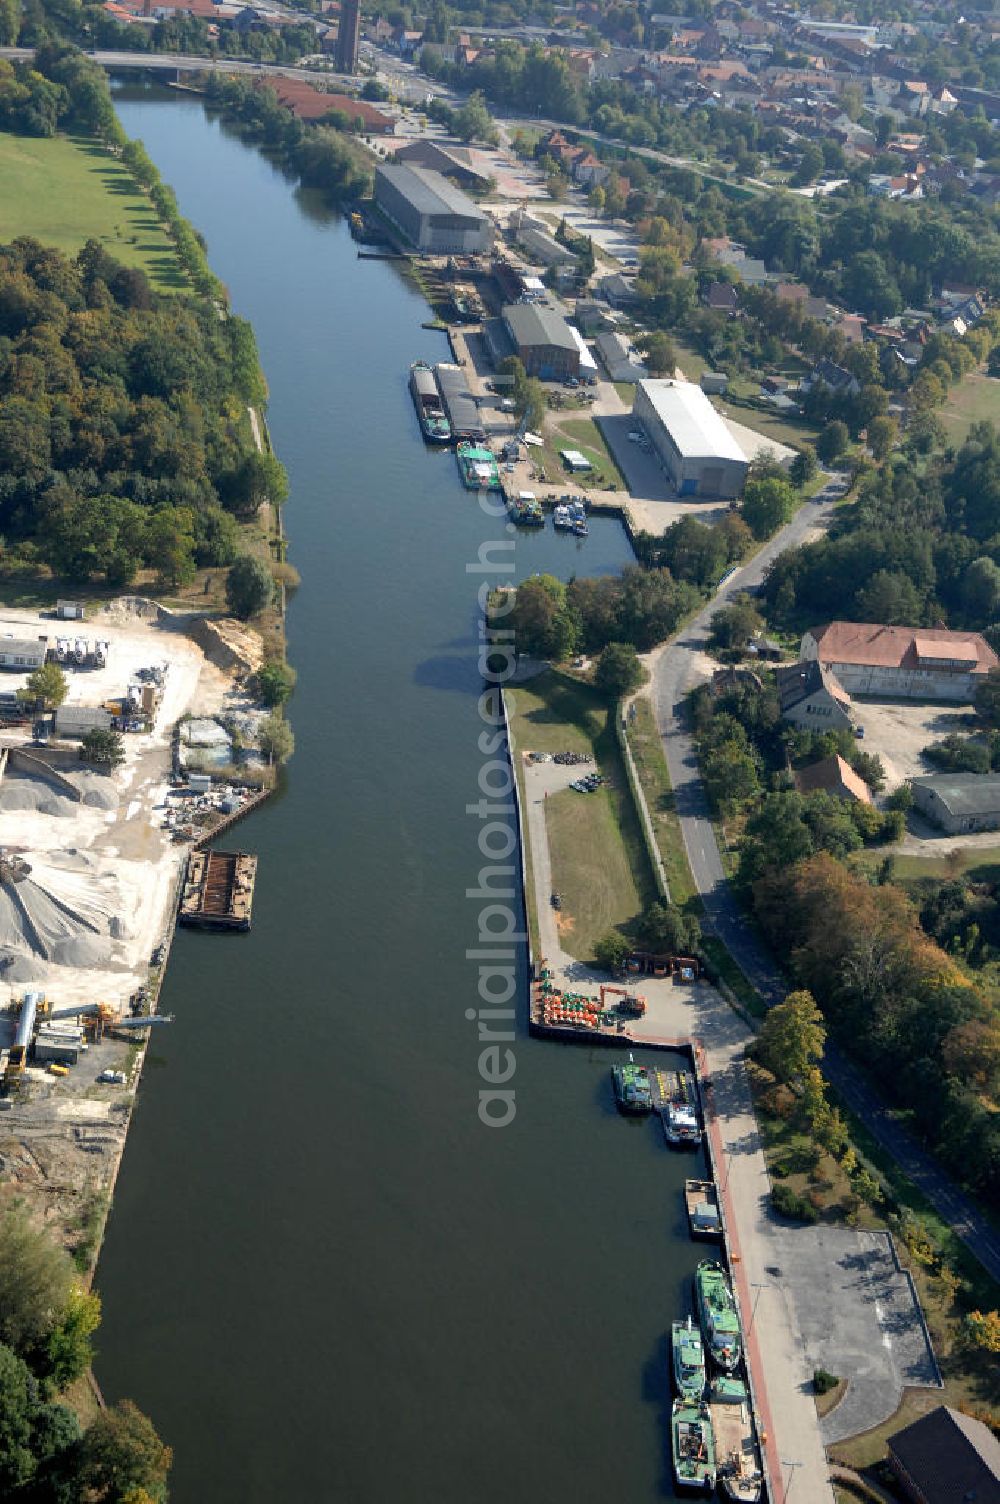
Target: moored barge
[{"x": 218, "y": 890}]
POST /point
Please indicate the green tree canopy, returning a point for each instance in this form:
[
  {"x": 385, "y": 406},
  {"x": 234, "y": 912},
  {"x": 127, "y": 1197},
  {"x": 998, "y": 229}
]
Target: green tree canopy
[
  {"x": 249, "y": 586},
  {"x": 792, "y": 1037},
  {"x": 46, "y": 685},
  {"x": 618, "y": 670}
]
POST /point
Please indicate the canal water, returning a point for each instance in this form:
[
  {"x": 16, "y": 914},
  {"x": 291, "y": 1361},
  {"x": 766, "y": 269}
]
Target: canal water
[{"x": 324, "y": 1278}]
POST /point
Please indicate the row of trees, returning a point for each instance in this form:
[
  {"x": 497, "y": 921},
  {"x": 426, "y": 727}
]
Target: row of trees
[
  {"x": 638, "y": 608},
  {"x": 894, "y": 997},
  {"x": 47, "y": 1323}
]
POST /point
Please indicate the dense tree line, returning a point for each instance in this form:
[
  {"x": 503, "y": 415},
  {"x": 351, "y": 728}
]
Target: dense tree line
[
  {"x": 31, "y": 22},
  {"x": 890, "y": 993},
  {"x": 920, "y": 546},
  {"x": 124, "y": 438},
  {"x": 638, "y": 608}
]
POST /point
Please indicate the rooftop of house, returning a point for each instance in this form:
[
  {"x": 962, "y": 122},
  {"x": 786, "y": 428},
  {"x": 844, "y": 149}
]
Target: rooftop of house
[
  {"x": 870, "y": 644},
  {"x": 832, "y": 775},
  {"x": 798, "y": 681}
]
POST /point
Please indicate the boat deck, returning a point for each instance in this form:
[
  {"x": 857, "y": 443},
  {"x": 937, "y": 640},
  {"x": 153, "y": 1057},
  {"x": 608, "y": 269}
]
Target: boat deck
[
  {"x": 735, "y": 1451},
  {"x": 218, "y": 890},
  {"x": 665, "y": 1087}
]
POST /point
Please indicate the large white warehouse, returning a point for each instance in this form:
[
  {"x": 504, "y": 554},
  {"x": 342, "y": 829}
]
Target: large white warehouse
[{"x": 691, "y": 441}]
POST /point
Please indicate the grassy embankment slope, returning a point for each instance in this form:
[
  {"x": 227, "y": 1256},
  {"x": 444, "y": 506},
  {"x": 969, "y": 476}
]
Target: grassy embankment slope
[
  {"x": 599, "y": 863},
  {"x": 64, "y": 190}
]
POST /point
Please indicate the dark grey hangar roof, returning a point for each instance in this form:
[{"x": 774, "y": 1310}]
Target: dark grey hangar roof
[
  {"x": 963, "y": 793},
  {"x": 429, "y": 193},
  {"x": 533, "y": 327},
  {"x": 949, "y": 1457}
]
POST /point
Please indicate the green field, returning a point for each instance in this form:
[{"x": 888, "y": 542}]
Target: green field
[
  {"x": 64, "y": 191},
  {"x": 975, "y": 399},
  {"x": 599, "y": 861},
  {"x": 583, "y": 434}
]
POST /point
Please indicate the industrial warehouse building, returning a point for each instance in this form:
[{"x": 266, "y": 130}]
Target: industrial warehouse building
[
  {"x": 430, "y": 213},
  {"x": 692, "y": 443},
  {"x": 909, "y": 663},
  {"x": 543, "y": 341},
  {"x": 21, "y": 653},
  {"x": 959, "y": 802}
]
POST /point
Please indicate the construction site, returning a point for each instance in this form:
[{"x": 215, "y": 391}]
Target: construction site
[{"x": 92, "y": 860}]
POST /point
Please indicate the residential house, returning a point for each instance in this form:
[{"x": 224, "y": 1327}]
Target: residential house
[
  {"x": 811, "y": 696},
  {"x": 721, "y": 297},
  {"x": 832, "y": 775},
  {"x": 835, "y": 378}
]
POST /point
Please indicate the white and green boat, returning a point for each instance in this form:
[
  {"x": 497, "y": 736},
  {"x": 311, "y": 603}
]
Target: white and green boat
[
  {"x": 720, "y": 1322},
  {"x": 693, "y": 1447},
  {"x": 688, "y": 1360}
]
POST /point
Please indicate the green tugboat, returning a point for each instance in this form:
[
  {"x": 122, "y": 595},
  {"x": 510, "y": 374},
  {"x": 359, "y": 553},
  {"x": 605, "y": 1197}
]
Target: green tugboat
[
  {"x": 720, "y": 1322},
  {"x": 693, "y": 1447},
  {"x": 478, "y": 468},
  {"x": 689, "y": 1360},
  {"x": 525, "y": 510},
  {"x": 632, "y": 1090}
]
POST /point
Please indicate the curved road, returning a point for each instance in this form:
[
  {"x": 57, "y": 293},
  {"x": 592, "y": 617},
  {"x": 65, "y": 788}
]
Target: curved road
[{"x": 725, "y": 917}]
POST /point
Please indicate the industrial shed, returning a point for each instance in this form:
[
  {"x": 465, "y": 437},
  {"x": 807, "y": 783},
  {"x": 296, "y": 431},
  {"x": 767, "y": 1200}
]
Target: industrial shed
[
  {"x": 431, "y": 213},
  {"x": 543, "y": 340},
  {"x": 77, "y": 720},
  {"x": 959, "y": 802},
  {"x": 20, "y": 653},
  {"x": 693, "y": 444}
]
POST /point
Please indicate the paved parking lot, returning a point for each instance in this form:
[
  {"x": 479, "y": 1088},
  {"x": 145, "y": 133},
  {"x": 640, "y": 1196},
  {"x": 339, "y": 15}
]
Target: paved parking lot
[
  {"x": 858, "y": 1317},
  {"x": 898, "y": 731}
]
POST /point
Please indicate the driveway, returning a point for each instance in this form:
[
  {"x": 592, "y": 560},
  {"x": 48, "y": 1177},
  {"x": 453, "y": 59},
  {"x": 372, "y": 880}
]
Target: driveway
[{"x": 672, "y": 676}]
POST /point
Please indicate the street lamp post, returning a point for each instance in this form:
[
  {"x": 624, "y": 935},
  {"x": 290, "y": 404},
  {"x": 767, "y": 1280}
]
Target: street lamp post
[
  {"x": 791, "y": 1466},
  {"x": 758, "y": 1286}
]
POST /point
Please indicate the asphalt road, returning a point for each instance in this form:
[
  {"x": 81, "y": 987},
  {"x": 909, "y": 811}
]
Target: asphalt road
[{"x": 726, "y": 919}]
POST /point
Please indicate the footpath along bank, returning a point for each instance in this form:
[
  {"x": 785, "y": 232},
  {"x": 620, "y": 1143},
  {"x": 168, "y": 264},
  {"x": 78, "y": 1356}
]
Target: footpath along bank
[{"x": 690, "y": 1016}]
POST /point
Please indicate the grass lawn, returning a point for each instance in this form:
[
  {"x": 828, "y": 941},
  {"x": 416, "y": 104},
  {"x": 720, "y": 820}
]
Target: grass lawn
[
  {"x": 982, "y": 863},
  {"x": 599, "y": 861},
  {"x": 782, "y": 430},
  {"x": 690, "y": 362},
  {"x": 566, "y": 432},
  {"x": 974, "y": 399},
  {"x": 64, "y": 191},
  {"x": 654, "y": 779},
  {"x": 591, "y": 867}
]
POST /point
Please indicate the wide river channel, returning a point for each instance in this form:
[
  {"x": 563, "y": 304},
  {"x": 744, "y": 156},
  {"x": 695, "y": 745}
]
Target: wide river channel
[{"x": 324, "y": 1278}]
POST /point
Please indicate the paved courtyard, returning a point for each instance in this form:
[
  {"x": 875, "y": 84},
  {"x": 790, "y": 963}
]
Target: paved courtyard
[{"x": 859, "y": 1319}]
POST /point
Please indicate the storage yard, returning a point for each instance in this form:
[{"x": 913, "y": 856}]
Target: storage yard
[{"x": 90, "y": 865}]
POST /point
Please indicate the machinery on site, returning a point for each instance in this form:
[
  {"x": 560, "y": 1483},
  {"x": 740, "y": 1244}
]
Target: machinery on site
[
  {"x": 631, "y": 1004},
  {"x": 58, "y": 1036}
]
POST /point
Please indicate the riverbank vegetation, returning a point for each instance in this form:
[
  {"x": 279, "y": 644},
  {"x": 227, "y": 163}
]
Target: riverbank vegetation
[
  {"x": 47, "y": 1322},
  {"x": 321, "y": 155}
]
